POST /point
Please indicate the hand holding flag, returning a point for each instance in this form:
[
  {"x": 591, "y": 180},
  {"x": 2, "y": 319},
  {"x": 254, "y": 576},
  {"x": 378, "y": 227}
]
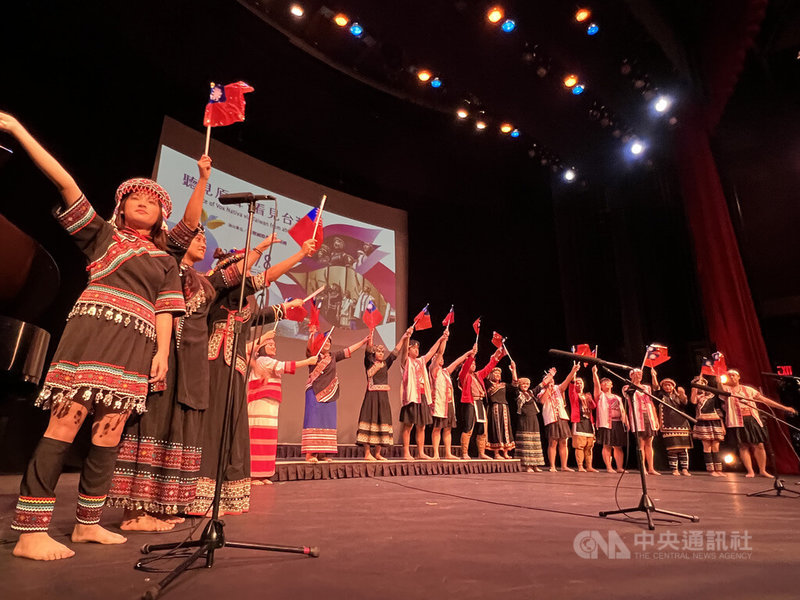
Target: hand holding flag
[
  {"x": 295, "y": 313},
  {"x": 655, "y": 355},
  {"x": 307, "y": 228},
  {"x": 476, "y": 326}
]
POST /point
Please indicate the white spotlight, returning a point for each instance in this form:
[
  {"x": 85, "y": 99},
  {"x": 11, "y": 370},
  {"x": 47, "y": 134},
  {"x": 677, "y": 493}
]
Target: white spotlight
[
  {"x": 297, "y": 10},
  {"x": 662, "y": 104},
  {"x": 569, "y": 175},
  {"x": 636, "y": 148}
]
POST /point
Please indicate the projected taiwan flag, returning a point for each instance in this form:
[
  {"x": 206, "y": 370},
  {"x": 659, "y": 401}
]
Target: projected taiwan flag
[{"x": 226, "y": 104}]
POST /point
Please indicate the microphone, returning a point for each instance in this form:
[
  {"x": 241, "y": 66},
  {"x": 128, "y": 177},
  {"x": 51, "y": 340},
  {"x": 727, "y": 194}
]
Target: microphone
[
  {"x": 243, "y": 198},
  {"x": 589, "y": 359}
]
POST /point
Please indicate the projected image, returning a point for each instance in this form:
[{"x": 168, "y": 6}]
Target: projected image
[{"x": 355, "y": 262}]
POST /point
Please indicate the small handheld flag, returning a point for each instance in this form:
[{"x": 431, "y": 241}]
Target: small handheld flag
[
  {"x": 655, "y": 355},
  {"x": 313, "y": 320},
  {"x": 497, "y": 339},
  {"x": 715, "y": 365},
  {"x": 318, "y": 341},
  {"x": 372, "y": 316},
  {"x": 450, "y": 318},
  {"x": 225, "y": 106},
  {"x": 584, "y": 350},
  {"x": 306, "y": 228},
  {"x": 423, "y": 320},
  {"x": 295, "y": 313}
]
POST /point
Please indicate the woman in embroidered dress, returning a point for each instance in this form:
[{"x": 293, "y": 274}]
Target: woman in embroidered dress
[
  {"x": 675, "y": 429},
  {"x": 709, "y": 428},
  {"x": 263, "y": 404},
  {"x": 644, "y": 415},
  {"x": 235, "y": 494},
  {"x": 499, "y": 437},
  {"x": 116, "y": 340},
  {"x": 322, "y": 391},
  {"x": 444, "y": 402},
  {"x": 556, "y": 420},
  {"x": 528, "y": 439},
  {"x": 612, "y": 422},
  {"x": 375, "y": 417}
]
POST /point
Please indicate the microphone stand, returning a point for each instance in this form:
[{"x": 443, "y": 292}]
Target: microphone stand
[
  {"x": 778, "y": 485},
  {"x": 646, "y": 504},
  {"x": 213, "y": 536}
]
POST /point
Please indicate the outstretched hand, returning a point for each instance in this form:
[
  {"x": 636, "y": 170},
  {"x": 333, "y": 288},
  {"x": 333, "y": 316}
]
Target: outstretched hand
[
  {"x": 310, "y": 247},
  {"x": 204, "y": 166},
  {"x": 8, "y": 123}
]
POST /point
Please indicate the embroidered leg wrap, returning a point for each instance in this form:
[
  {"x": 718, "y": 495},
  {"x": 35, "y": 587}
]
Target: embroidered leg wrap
[
  {"x": 683, "y": 458},
  {"x": 37, "y": 492},
  {"x": 672, "y": 457},
  {"x": 717, "y": 461},
  {"x": 709, "y": 461},
  {"x": 98, "y": 469}
]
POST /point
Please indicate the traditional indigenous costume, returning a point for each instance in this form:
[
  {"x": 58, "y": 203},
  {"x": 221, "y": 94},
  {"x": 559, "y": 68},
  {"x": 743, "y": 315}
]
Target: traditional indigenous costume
[
  {"x": 473, "y": 393},
  {"x": 415, "y": 394},
  {"x": 499, "y": 430},
  {"x": 528, "y": 438},
  {"x": 263, "y": 403},
  {"x": 646, "y": 420},
  {"x": 610, "y": 429},
  {"x": 322, "y": 391},
  {"x": 375, "y": 418},
  {"x": 554, "y": 412},
  {"x": 444, "y": 403},
  {"x": 222, "y": 316},
  {"x": 675, "y": 430},
  {"x": 709, "y": 427},
  {"x": 105, "y": 353},
  {"x": 743, "y": 418},
  {"x": 582, "y": 419}
]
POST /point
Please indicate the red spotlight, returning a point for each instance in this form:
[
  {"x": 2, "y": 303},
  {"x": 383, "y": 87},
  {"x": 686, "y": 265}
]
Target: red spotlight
[{"x": 582, "y": 15}]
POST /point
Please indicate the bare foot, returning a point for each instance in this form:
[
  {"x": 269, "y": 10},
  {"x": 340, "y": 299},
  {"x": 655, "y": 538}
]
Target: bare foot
[
  {"x": 620, "y": 471},
  {"x": 536, "y": 469},
  {"x": 423, "y": 456},
  {"x": 764, "y": 474},
  {"x": 256, "y": 482},
  {"x": 529, "y": 470},
  {"x": 95, "y": 533},
  {"x": 40, "y": 546},
  {"x": 653, "y": 472},
  {"x": 581, "y": 470},
  {"x": 552, "y": 469},
  {"x": 567, "y": 469},
  {"x": 750, "y": 474},
  {"x": 327, "y": 459},
  {"x": 407, "y": 457},
  {"x": 465, "y": 457},
  {"x": 716, "y": 474},
  {"x": 140, "y": 523},
  {"x": 311, "y": 458},
  {"x": 450, "y": 456},
  {"x": 369, "y": 457},
  {"x": 174, "y": 519},
  {"x": 610, "y": 470},
  {"x": 436, "y": 457},
  {"x": 676, "y": 473},
  {"x": 380, "y": 457},
  {"x": 685, "y": 473},
  {"x": 592, "y": 470}
]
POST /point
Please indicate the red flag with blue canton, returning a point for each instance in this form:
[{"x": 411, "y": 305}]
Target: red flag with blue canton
[
  {"x": 477, "y": 326},
  {"x": 304, "y": 228},
  {"x": 707, "y": 368},
  {"x": 497, "y": 339},
  {"x": 318, "y": 341},
  {"x": 295, "y": 313},
  {"x": 423, "y": 320},
  {"x": 450, "y": 318},
  {"x": 372, "y": 316},
  {"x": 715, "y": 365},
  {"x": 226, "y": 104},
  {"x": 656, "y": 355}
]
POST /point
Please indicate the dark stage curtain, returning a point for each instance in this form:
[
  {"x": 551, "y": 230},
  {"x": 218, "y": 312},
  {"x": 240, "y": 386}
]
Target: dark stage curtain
[{"x": 729, "y": 31}]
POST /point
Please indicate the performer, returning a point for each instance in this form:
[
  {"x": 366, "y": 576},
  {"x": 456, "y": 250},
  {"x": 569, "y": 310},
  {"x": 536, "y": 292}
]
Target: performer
[
  {"x": 415, "y": 393},
  {"x": 675, "y": 429},
  {"x": 744, "y": 421},
  {"x": 473, "y": 392},
  {"x": 222, "y": 318},
  {"x": 375, "y": 418},
  {"x": 322, "y": 391},
  {"x": 709, "y": 428},
  {"x": 155, "y": 477},
  {"x": 116, "y": 335},
  {"x": 263, "y": 404},
  {"x": 644, "y": 413},
  {"x": 444, "y": 405},
  {"x": 612, "y": 422},
  {"x": 556, "y": 420},
  {"x": 500, "y": 439},
  {"x": 528, "y": 439},
  {"x": 581, "y": 404}
]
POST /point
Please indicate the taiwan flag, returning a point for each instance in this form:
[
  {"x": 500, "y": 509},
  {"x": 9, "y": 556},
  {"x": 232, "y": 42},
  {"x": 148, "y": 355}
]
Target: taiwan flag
[
  {"x": 423, "y": 320},
  {"x": 295, "y": 313},
  {"x": 476, "y": 326},
  {"x": 656, "y": 355},
  {"x": 584, "y": 350},
  {"x": 450, "y": 318},
  {"x": 226, "y": 104},
  {"x": 372, "y": 316},
  {"x": 715, "y": 365},
  {"x": 313, "y": 320},
  {"x": 304, "y": 228},
  {"x": 497, "y": 339}
]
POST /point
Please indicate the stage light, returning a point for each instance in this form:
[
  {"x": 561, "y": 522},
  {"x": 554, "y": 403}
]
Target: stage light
[
  {"x": 569, "y": 175},
  {"x": 297, "y": 10},
  {"x": 723, "y": 378},
  {"x": 462, "y": 113},
  {"x": 480, "y": 125},
  {"x": 570, "y": 80},
  {"x": 662, "y": 104},
  {"x": 508, "y": 25},
  {"x": 578, "y": 89},
  {"x": 729, "y": 458},
  {"x": 506, "y": 127},
  {"x": 592, "y": 29},
  {"x": 515, "y": 133},
  {"x": 436, "y": 82},
  {"x": 541, "y": 71},
  {"x": 582, "y": 15},
  {"x": 636, "y": 148},
  {"x": 495, "y": 14},
  {"x": 341, "y": 20},
  {"x": 356, "y": 30},
  {"x": 424, "y": 75}
]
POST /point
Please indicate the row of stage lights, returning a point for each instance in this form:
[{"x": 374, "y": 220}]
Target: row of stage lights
[{"x": 496, "y": 16}]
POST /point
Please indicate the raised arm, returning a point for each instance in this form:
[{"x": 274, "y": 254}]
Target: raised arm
[
  {"x": 65, "y": 184},
  {"x": 283, "y": 267},
  {"x": 769, "y": 402},
  {"x": 437, "y": 348},
  {"x": 454, "y": 365},
  {"x": 357, "y": 345},
  {"x": 404, "y": 346},
  {"x": 654, "y": 379},
  {"x": 595, "y": 383},
  {"x": 569, "y": 378},
  {"x": 191, "y": 216}
]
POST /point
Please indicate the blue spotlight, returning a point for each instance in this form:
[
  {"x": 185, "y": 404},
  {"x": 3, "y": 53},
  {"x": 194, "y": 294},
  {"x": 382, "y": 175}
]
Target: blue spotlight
[
  {"x": 578, "y": 89},
  {"x": 592, "y": 29},
  {"x": 508, "y": 25},
  {"x": 356, "y": 30},
  {"x": 514, "y": 133},
  {"x": 436, "y": 82}
]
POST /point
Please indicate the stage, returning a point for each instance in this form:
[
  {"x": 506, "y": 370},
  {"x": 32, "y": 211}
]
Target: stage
[{"x": 452, "y": 536}]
